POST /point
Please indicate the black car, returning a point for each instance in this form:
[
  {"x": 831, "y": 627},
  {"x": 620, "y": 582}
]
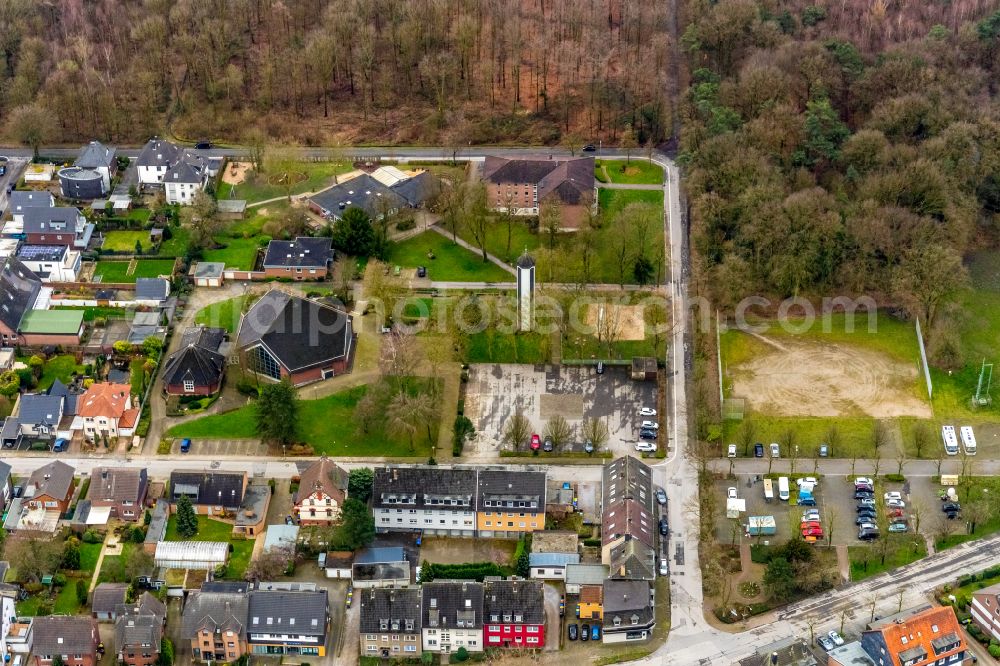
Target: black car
[
  {"x": 573, "y": 632},
  {"x": 863, "y": 494},
  {"x": 589, "y": 148},
  {"x": 868, "y": 535},
  {"x": 547, "y": 445},
  {"x": 203, "y": 145},
  {"x": 861, "y": 520},
  {"x": 3, "y": 169},
  {"x": 647, "y": 434},
  {"x": 758, "y": 450},
  {"x": 421, "y": 271},
  {"x": 585, "y": 632},
  {"x": 870, "y": 515},
  {"x": 664, "y": 526},
  {"x": 951, "y": 507}
]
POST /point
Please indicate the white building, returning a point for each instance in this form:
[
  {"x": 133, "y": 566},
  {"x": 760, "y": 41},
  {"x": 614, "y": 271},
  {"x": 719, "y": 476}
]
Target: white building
[
  {"x": 7, "y": 615},
  {"x": 525, "y": 291},
  {"x": 429, "y": 500},
  {"x": 154, "y": 159},
  {"x": 51, "y": 263},
  {"x": 184, "y": 178},
  {"x": 452, "y": 616}
]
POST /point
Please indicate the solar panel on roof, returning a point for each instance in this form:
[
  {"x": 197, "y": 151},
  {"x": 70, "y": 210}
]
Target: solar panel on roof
[{"x": 41, "y": 252}]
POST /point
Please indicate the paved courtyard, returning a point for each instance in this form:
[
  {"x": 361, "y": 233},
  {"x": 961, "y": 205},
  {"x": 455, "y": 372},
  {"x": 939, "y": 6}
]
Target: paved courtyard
[{"x": 494, "y": 393}]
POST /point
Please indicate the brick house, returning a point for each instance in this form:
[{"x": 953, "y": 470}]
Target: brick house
[
  {"x": 197, "y": 367},
  {"x": 285, "y": 336},
  {"x": 985, "y": 610},
  {"x": 105, "y": 410},
  {"x": 21, "y": 323},
  {"x": 56, "y": 226},
  {"x": 50, "y": 487},
  {"x": 139, "y": 630},
  {"x": 74, "y": 639},
  {"x": 514, "y": 614},
  {"x": 321, "y": 493},
  {"x": 304, "y": 258},
  {"x": 525, "y": 185},
  {"x": 390, "y": 622},
  {"x": 927, "y": 634},
  {"x": 106, "y": 599},
  {"x": 214, "y": 624},
  {"x": 123, "y": 489}
]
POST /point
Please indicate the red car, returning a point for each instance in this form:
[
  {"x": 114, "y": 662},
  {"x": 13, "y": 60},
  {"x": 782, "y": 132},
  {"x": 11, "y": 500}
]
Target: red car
[
  {"x": 895, "y": 513},
  {"x": 812, "y": 531},
  {"x": 536, "y": 442},
  {"x": 809, "y": 524}
]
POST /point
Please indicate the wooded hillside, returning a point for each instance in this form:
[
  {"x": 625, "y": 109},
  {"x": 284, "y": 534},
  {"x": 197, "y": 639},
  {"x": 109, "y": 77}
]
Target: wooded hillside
[
  {"x": 841, "y": 147},
  {"x": 327, "y": 71}
]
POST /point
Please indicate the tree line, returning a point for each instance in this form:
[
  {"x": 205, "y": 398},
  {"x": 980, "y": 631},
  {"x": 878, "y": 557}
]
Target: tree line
[{"x": 449, "y": 71}]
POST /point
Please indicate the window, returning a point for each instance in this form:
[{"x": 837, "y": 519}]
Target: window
[
  {"x": 188, "y": 385},
  {"x": 262, "y": 362}
]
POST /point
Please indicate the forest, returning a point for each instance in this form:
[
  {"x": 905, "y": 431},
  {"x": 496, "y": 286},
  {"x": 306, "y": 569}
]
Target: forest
[
  {"x": 841, "y": 147},
  {"x": 328, "y": 72}
]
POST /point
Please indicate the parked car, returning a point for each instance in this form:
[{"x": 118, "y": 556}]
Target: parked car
[
  {"x": 809, "y": 523},
  {"x": 350, "y": 596},
  {"x": 661, "y": 496},
  {"x": 825, "y": 643},
  {"x": 867, "y": 511},
  {"x": 203, "y": 145},
  {"x": 898, "y": 527},
  {"x": 896, "y": 504},
  {"x": 289, "y": 520},
  {"x": 811, "y": 514},
  {"x": 547, "y": 446},
  {"x": 185, "y": 445},
  {"x": 732, "y": 493},
  {"x": 588, "y": 446},
  {"x": 807, "y": 479},
  {"x": 837, "y": 639},
  {"x": 600, "y": 367},
  {"x": 863, "y": 494},
  {"x": 664, "y": 570},
  {"x": 812, "y": 531},
  {"x": 573, "y": 632},
  {"x": 866, "y": 503},
  {"x": 807, "y": 501},
  {"x": 896, "y": 513},
  {"x": 664, "y": 527},
  {"x": 595, "y": 632},
  {"x": 758, "y": 450},
  {"x": 647, "y": 434},
  {"x": 775, "y": 450},
  {"x": 894, "y": 495},
  {"x": 731, "y": 451},
  {"x": 647, "y": 411},
  {"x": 645, "y": 447},
  {"x": 652, "y": 425},
  {"x": 949, "y": 507},
  {"x": 824, "y": 450},
  {"x": 864, "y": 519},
  {"x": 867, "y": 534},
  {"x": 421, "y": 271},
  {"x": 536, "y": 442},
  {"x": 863, "y": 480},
  {"x": 585, "y": 632},
  {"x": 60, "y": 445},
  {"x": 589, "y": 148}
]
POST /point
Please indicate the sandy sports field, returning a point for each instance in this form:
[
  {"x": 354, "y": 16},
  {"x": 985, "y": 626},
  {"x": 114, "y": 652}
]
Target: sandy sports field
[
  {"x": 626, "y": 320},
  {"x": 795, "y": 377},
  {"x": 235, "y": 172}
]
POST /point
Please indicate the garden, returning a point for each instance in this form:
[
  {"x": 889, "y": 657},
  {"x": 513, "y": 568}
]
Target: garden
[
  {"x": 240, "y": 550},
  {"x": 126, "y": 271}
]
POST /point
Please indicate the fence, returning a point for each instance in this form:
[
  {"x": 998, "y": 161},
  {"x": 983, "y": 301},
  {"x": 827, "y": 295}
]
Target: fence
[{"x": 923, "y": 361}]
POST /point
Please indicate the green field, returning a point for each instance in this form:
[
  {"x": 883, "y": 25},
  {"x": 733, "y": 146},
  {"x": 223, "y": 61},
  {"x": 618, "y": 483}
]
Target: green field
[
  {"x": 117, "y": 271},
  {"x": 489, "y": 346},
  {"x": 318, "y": 176},
  {"x": 177, "y": 244},
  {"x": 124, "y": 241},
  {"x": 613, "y": 200},
  {"x": 239, "y": 253},
  {"x": 327, "y": 424},
  {"x": 451, "y": 262},
  {"x": 224, "y": 314},
  {"x": 905, "y": 549},
  {"x": 634, "y": 172},
  {"x": 57, "y": 367},
  {"x": 214, "y": 530}
]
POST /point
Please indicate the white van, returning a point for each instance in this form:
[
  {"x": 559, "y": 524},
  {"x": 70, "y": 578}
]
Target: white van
[
  {"x": 783, "y": 488},
  {"x": 950, "y": 441},
  {"x": 768, "y": 490},
  {"x": 968, "y": 440}
]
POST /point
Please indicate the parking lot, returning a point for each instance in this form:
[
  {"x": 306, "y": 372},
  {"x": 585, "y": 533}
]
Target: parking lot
[
  {"x": 494, "y": 393},
  {"x": 249, "y": 448}
]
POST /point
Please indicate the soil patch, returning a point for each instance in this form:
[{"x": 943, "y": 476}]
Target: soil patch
[
  {"x": 235, "y": 172},
  {"x": 804, "y": 378},
  {"x": 569, "y": 405},
  {"x": 625, "y": 322}
]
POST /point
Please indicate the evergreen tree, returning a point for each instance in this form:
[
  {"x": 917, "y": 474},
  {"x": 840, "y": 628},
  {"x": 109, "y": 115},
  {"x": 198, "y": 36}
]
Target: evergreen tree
[
  {"x": 358, "y": 529},
  {"x": 353, "y": 233},
  {"x": 277, "y": 412},
  {"x": 359, "y": 483},
  {"x": 187, "y": 521}
]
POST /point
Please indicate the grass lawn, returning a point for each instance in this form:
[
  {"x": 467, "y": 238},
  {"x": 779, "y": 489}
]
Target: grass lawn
[
  {"x": 135, "y": 375},
  {"x": 124, "y": 241},
  {"x": 489, "y": 346},
  {"x": 319, "y": 175},
  {"x": 612, "y": 200},
  {"x": 89, "y": 552},
  {"x": 92, "y": 313},
  {"x": 633, "y": 172},
  {"x": 224, "y": 314},
  {"x": 214, "y": 530},
  {"x": 117, "y": 271},
  {"x": 855, "y": 435},
  {"x": 29, "y": 607},
  {"x": 177, "y": 244},
  {"x": 327, "y": 424},
  {"x": 57, "y": 367},
  {"x": 66, "y": 602},
  {"x": 452, "y": 263},
  {"x": 982, "y": 487},
  {"x": 253, "y": 224},
  {"x": 907, "y": 550},
  {"x": 238, "y": 253}
]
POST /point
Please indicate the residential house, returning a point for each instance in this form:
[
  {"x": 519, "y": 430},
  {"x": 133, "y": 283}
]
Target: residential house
[
  {"x": 381, "y": 567},
  {"x": 24, "y": 319},
  {"x": 56, "y": 226},
  {"x": 50, "y": 487},
  {"x": 72, "y": 638},
  {"x": 281, "y": 622},
  {"x": 985, "y": 607},
  {"x": 6, "y": 488},
  {"x": 154, "y": 159},
  {"x": 8, "y": 614},
  {"x": 207, "y": 273},
  {"x": 386, "y": 191},
  {"x": 524, "y": 185},
  {"x": 21, "y": 199},
  {"x": 151, "y": 291},
  {"x": 628, "y": 520},
  {"x": 198, "y": 366},
  {"x": 214, "y": 625},
  {"x": 514, "y": 614},
  {"x": 304, "y": 258},
  {"x": 211, "y": 493},
  {"x": 429, "y": 500},
  {"x": 924, "y": 635},
  {"x": 510, "y": 503},
  {"x": 452, "y": 616},
  {"x": 105, "y": 410},
  {"x": 184, "y": 178},
  {"x": 249, "y": 520},
  {"x": 35, "y": 416},
  {"x": 106, "y": 600},
  {"x": 139, "y": 629},
  {"x": 97, "y": 157},
  {"x": 321, "y": 494},
  {"x": 51, "y": 263},
  {"x": 122, "y": 490},
  {"x": 284, "y": 336},
  {"x": 551, "y": 552},
  {"x": 628, "y": 611},
  {"x": 390, "y": 622},
  {"x": 628, "y": 478},
  {"x": 19, "y": 633},
  {"x": 590, "y": 603}
]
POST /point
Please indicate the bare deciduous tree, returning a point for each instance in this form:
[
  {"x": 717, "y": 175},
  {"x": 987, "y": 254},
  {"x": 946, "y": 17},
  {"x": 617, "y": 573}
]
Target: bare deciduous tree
[{"x": 516, "y": 430}]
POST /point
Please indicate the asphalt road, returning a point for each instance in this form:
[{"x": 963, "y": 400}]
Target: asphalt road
[{"x": 15, "y": 165}]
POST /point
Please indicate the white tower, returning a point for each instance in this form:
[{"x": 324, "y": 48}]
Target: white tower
[{"x": 525, "y": 291}]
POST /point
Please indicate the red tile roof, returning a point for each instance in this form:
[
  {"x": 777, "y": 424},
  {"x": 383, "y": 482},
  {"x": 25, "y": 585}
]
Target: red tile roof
[
  {"x": 109, "y": 400},
  {"x": 929, "y": 631}
]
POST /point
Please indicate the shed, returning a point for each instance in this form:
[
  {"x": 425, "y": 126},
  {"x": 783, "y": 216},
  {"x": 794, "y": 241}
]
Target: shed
[
  {"x": 105, "y": 600},
  {"x": 578, "y": 575},
  {"x": 191, "y": 554},
  {"x": 207, "y": 273},
  {"x": 157, "y": 530},
  {"x": 644, "y": 368},
  {"x": 232, "y": 209},
  {"x": 338, "y": 564},
  {"x": 551, "y": 566},
  {"x": 381, "y": 567},
  {"x": 281, "y": 536}
]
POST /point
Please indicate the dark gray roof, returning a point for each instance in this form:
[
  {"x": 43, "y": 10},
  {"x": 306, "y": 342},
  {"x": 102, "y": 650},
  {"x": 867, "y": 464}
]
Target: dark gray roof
[
  {"x": 118, "y": 484},
  {"x": 393, "y": 610},
  {"x": 157, "y": 529},
  {"x": 571, "y": 179},
  {"x": 94, "y": 155},
  {"x": 380, "y": 555},
  {"x": 280, "y": 612},
  {"x": 236, "y": 586},
  {"x": 40, "y": 220},
  {"x": 151, "y": 289},
  {"x": 40, "y": 409},
  {"x": 188, "y": 169},
  {"x": 363, "y": 192},
  {"x": 417, "y": 189},
  {"x": 210, "y": 488},
  {"x": 4, "y": 567},
  {"x": 628, "y": 478},
  {"x": 525, "y": 261},
  {"x": 226, "y": 611},
  {"x": 524, "y": 598},
  {"x": 157, "y": 152},
  {"x": 42, "y": 252},
  {"x": 19, "y": 288},
  {"x": 138, "y": 629},
  {"x": 303, "y": 252},
  {"x": 193, "y": 363},
  {"x": 54, "y": 479},
  {"x": 301, "y": 333},
  {"x": 380, "y": 572},
  {"x": 417, "y": 487},
  {"x": 107, "y": 597},
  {"x": 21, "y": 199},
  {"x": 634, "y": 560},
  {"x": 64, "y": 634},
  {"x": 448, "y": 604},
  {"x": 4, "y": 478},
  {"x": 209, "y": 269},
  {"x": 512, "y": 489},
  {"x": 625, "y": 599}
]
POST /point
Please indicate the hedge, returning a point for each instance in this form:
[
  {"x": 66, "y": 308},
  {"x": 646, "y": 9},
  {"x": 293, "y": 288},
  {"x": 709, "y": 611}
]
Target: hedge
[{"x": 469, "y": 571}]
